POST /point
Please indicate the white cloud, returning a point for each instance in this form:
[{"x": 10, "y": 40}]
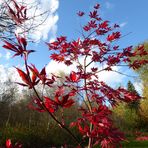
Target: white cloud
[
  {"x": 123, "y": 24},
  {"x": 1, "y": 55},
  {"x": 9, "y": 73},
  {"x": 8, "y": 55},
  {"x": 43, "y": 27},
  {"x": 55, "y": 67},
  {"x": 110, "y": 77},
  {"x": 109, "y": 5},
  {"x": 1, "y": 1},
  {"x": 43, "y": 30},
  {"x": 2, "y": 73},
  {"x": 138, "y": 87}
]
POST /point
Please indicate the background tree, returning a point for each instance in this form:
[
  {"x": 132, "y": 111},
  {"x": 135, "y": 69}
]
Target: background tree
[
  {"x": 8, "y": 92},
  {"x": 126, "y": 115},
  {"x": 134, "y": 105},
  {"x": 143, "y": 75},
  {"x": 17, "y": 121}
]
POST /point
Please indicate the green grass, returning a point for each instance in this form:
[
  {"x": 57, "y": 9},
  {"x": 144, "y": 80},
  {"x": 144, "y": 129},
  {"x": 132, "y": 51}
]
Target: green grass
[
  {"x": 55, "y": 137},
  {"x": 135, "y": 144},
  {"x": 36, "y": 137}
]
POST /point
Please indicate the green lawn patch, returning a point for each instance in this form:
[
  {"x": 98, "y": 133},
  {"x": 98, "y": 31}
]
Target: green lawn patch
[{"x": 135, "y": 144}]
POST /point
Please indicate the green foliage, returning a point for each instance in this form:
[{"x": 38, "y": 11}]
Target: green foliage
[
  {"x": 28, "y": 137},
  {"x": 144, "y": 113},
  {"x": 134, "y": 105},
  {"x": 143, "y": 71},
  {"x": 135, "y": 144},
  {"x": 29, "y": 127},
  {"x": 40, "y": 133},
  {"x": 32, "y": 129},
  {"x": 143, "y": 74},
  {"x": 125, "y": 118}
]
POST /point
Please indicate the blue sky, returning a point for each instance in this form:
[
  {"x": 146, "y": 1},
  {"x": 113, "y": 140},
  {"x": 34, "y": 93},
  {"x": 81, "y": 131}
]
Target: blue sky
[{"x": 130, "y": 14}]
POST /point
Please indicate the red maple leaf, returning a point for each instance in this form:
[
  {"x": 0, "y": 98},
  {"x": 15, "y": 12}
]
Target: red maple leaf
[
  {"x": 104, "y": 25},
  {"x": 113, "y": 36},
  {"x": 80, "y": 13},
  {"x": 93, "y": 14},
  {"x": 97, "y": 6},
  {"x": 8, "y": 143},
  {"x": 74, "y": 77}
]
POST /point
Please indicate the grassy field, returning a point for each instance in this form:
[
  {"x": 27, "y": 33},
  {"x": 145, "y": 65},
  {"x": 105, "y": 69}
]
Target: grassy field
[
  {"x": 36, "y": 139},
  {"x": 135, "y": 144}
]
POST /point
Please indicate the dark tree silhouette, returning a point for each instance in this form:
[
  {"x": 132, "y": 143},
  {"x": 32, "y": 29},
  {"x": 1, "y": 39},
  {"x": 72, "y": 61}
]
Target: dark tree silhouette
[{"x": 134, "y": 104}]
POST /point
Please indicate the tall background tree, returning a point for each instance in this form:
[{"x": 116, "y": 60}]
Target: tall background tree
[
  {"x": 8, "y": 92},
  {"x": 134, "y": 105},
  {"x": 143, "y": 75},
  {"x": 134, "y": 115},
  {"x": 126, "y": 115}
]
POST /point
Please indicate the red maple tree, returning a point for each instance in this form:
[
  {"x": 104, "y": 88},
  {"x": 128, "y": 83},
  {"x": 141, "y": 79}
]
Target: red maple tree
[{"x": 94, "y": 124}]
